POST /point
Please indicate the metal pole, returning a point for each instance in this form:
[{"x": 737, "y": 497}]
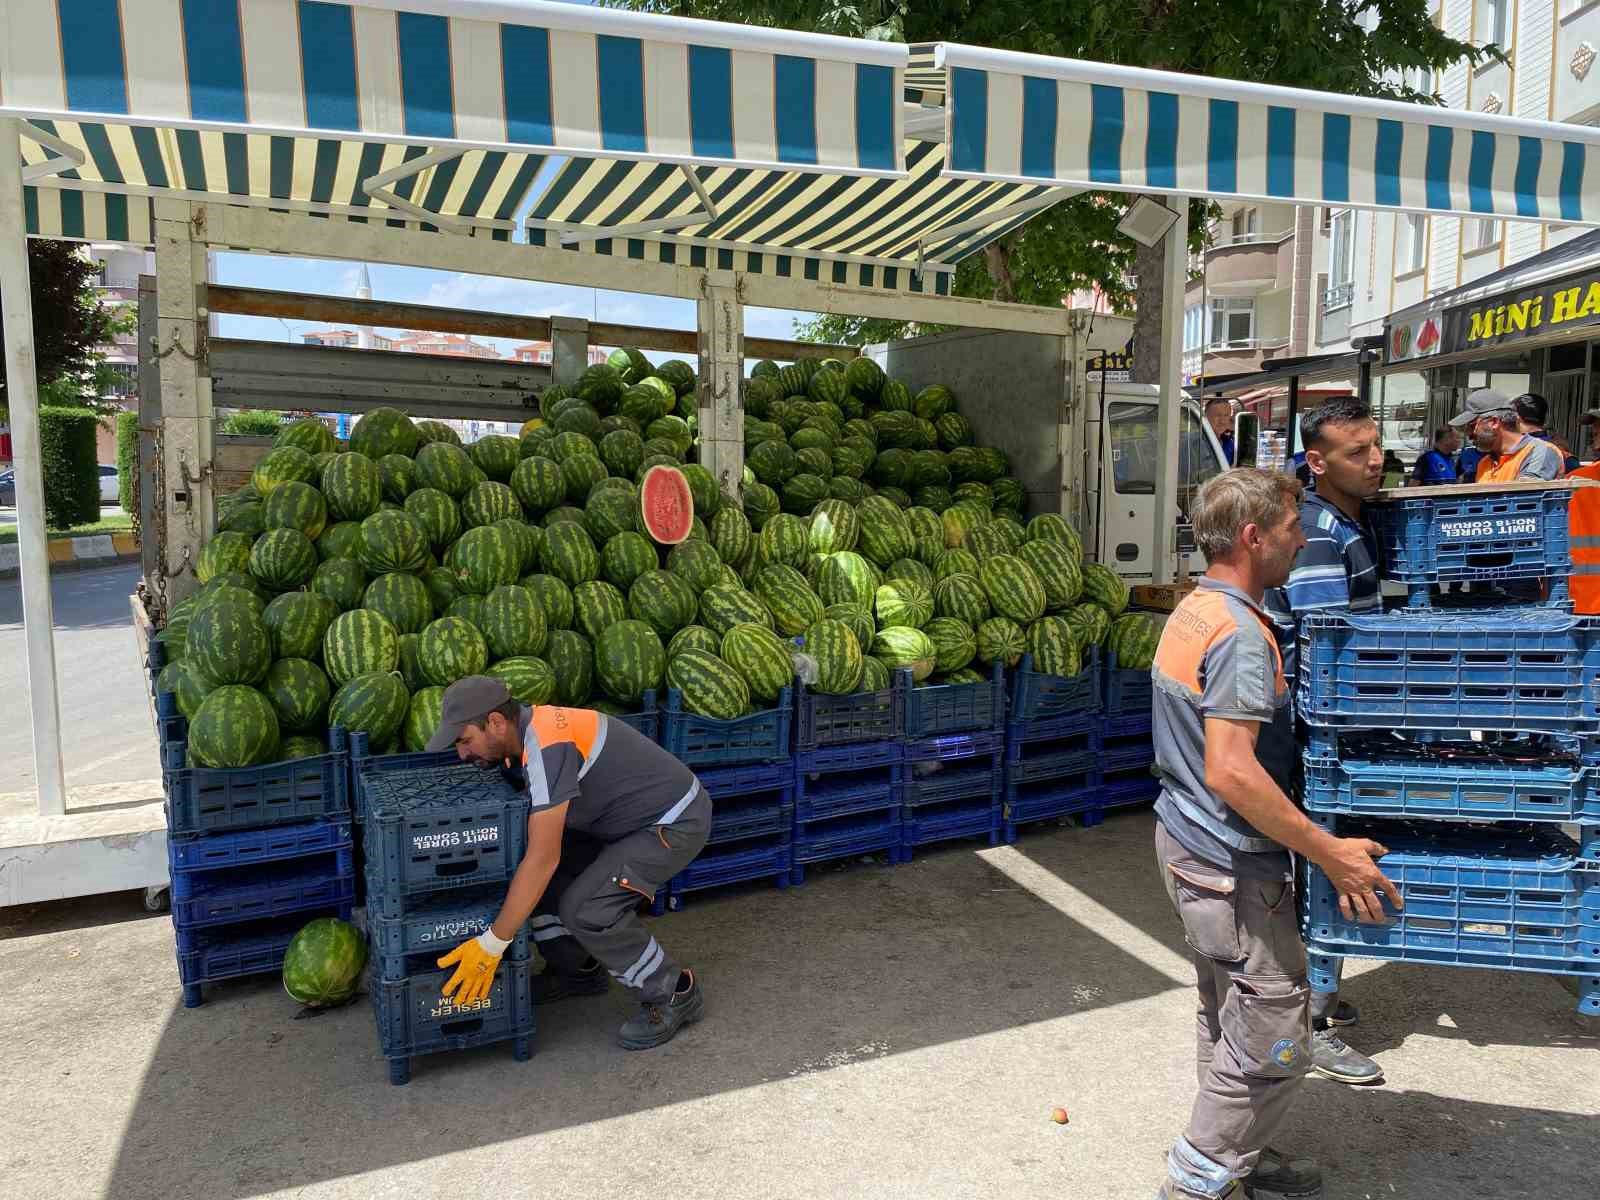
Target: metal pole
[
  {"x": 1164, "y": 538},
  {"x": 33, "y": 552},
  {"x": 1290, "y": 432}
]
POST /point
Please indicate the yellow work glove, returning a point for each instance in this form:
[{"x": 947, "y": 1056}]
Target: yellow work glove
[{"x": 475, "y": 961}]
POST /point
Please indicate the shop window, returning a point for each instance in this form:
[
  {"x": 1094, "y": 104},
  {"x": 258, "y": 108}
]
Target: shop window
[
  {"x": 1411, "y": 254},
  {"x": 1233, "y": 322}
]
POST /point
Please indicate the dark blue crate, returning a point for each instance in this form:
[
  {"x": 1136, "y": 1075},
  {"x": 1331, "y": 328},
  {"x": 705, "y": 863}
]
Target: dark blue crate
[
  {"x": 743, "y": 817},
  {"x": 848, "y": 758},
  {"x": 1039, "y": 697},
  {"x": 647, "y": 720},
  {"x": 1130, "y": 785},
  {"x": 1020, "y": 733},
  {"x": 1123, "y": 726},
  {"x": 701, "y": 741},
  {"x": 764, "y": 858},
  {"x": 1055, "y": 758},
  {"x": 1125, "y": 743},
  {"x": 214, "y": 800},
  {"x": 1515, "y": 898},
  {"x": 953, "y": 707},
  {"x": 436, "y": 830},
  {"x": 1487, "y": 535},
  {"x": 214, "y": 954},
  {"x": 725, "y": 782},
  {"x": 437, "y": 925},
  {"x": 363, "y": 762},
  {"x": 414, "y": 1018},
  {"x": 840, "y": 720},
  {"x": 922, "y": 827},
  {"x": 832, "y": 796},
  {"x": 265, "y": 890},
  {"x": 245, "y": 847},
  {"x": 1534, "y": 670},
  {"x": 1453, "y": 789},
  {"x": 1025, "y": 803},
  {"x": 846, "y": 838},
  {"x": 1127, "y": 693},
  {"x": 977, "y": 778},
  {"x": 955, "y": 746}
]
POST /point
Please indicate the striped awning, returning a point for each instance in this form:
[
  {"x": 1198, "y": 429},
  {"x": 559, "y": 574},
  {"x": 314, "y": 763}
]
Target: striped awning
[
  {"x": 1091, "y": 125},
  {"x": 73, "y": 216}
]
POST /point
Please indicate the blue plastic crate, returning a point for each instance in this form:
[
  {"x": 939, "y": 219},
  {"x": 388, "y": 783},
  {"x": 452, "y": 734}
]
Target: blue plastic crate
[
  {"x": 414, "y": 1018},
  {"x": 1020, "y": 733},
  {"x": 1429, "y": 540},
  {"x": 363, "y": 762},
  {"x": 1039, "y": 697},
  {"x": 245, "y": 847},
  {"x": 436, "y": 926},
  {"x": 839, "y": 720},
  {"x": 442, "y": 829},
  {"x": 212, "y": 955},
  {"x": 1125, "y": 743},
  {"x": 1073, "y": 754},
  {"x": 1514, "y": 897},
  {"x": 846, "y": 838},
  {"x": 848, "y": 758},
  {"x": 702, "y": 741},
  {"x": 976, "y": 778},
  {"x": 955, "y": 746},
  {"x": 726, "y": 782},
  {"x": 1533, "y": 670},
  {"x": 1028, "y": 802},
  {"x": 1127, "y": 693},
  {"x": 647, "y": 720},
  {"x": 953, "y": 707},
  {"x": 866, "y": 791},
  {"x": 171, "y": 725},
  {"x": 923, "y": 826},
  {"x": 742, "y": 817},
  {"x": 213, "y": 800},
  {"x": 769, "y": 857},
  {"x": 1453, "y": 789},
  {"x": 263, "y": 890},
  {"x": 1129, "y": 785}
]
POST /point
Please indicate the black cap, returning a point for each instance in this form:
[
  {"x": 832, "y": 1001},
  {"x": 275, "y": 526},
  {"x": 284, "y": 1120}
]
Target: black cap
[{"x": 466, "y": 702}]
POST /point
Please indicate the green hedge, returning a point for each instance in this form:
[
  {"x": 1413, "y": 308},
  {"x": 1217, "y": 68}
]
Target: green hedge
[
  {"x": 252, "y": 423},
  {"x": 128, "y": 462},
  {"x": 71, "y": 470}
]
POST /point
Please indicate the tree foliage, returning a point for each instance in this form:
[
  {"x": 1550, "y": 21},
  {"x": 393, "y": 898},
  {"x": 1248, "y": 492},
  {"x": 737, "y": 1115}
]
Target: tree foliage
[
  {"x": 69, "y": 322},
  {"x": 1352, "y": 46}
]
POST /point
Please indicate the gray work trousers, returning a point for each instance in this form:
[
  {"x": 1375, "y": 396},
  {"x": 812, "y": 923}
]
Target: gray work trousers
[
  {"x": 1253, "y": 1030},
  {"x": 591, "y": 906}
]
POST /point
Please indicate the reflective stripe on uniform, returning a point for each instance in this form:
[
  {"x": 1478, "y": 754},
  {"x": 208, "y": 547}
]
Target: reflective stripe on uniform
[
  {"x": 547, "y": 928},
  {"x": 599, "y": 744},
  {"x": 676, "y": 811},
  {"x": 1219, "y": 830},
  {"x": 649, "y": 959}
]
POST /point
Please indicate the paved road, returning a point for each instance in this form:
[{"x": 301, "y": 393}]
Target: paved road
[
  {"x": 8, "y": 513},
  {"x": 105, "y": 716}
]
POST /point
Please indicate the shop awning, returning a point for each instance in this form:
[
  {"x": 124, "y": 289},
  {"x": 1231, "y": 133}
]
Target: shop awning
[{"x": 1029, "y": 118}]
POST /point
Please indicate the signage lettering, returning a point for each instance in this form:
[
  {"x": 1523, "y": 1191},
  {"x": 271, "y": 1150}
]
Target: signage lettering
[{"x": 1524, "y": 313}]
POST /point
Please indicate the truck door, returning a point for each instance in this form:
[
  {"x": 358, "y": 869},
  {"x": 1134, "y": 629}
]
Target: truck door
[{"x": 1127, "y": 493}]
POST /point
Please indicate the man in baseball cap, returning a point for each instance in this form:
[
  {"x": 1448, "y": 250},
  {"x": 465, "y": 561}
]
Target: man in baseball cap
[
  {"x": 613, "y": 817},
  {"x": 1509, "y": 453}
]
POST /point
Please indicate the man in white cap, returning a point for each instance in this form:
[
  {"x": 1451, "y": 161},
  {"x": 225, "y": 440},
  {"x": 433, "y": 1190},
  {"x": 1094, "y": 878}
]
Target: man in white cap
[{"x": 1509, "y": 453}]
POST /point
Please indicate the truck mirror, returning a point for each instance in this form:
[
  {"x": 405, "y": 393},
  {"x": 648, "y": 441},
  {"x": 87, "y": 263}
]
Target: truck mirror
[{"x": 1246, "y": 438}]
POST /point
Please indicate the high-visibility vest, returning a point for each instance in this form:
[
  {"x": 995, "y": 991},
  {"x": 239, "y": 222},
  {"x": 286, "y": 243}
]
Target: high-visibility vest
[
  {"x": 1583, "y": 536},
  {"x": 1507, "y": 469}
]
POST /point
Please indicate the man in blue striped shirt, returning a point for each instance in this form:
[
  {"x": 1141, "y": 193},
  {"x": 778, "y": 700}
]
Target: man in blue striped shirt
[{"x": 1337, "y": 568}]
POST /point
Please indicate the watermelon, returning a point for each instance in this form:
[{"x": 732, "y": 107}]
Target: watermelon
[
  {"x": 538, "y": 484},
  {"x": 514, "y": 623},
  {"x": 340, "y": 540},
  {"x": 341, "y": 580},
  {"x": 901, "y": 648},
  {"x": 911, "y": 570},
  {"x": 399, "y": 477},
  {"x": 693, "y": 637},
  {"x": 188, "y": 688},
  {"x": 784, "y": 539},
  {"x": 488, "y": 502},
  {"x": 696, "y": 564},
  {"x": 283, "y": 559},
  {"x": 760, "y": 656},
  {"x": 235, "y": 726},
  {"x": 961, "y": 596},
  {"x": 298, "y": 506},
  {"x": 784, "y": 591},
  {"x": 679, "y": 374},
  {"x": 436, "y": 513},
  {"x": 227, "y": 643},
  {"x": 359, "y": 642},
  {"x": 953, "y": 430},
  {"x": 1054, "y": 527},
  {"x": 703, "y": 487},
  {"x": 988, "y": 540},
  {"x": 392, "y": 540},
  {"x": 445, "y": 467},
  {"x": 664, "y": 600},
  {"x": 933, "y": 402},
  {"x": 554, "y": 598},
  {"x": 600, "y": 386},
  {"x": 528, "y": 538},
  {"x": 1133, "y": 639},
  {"x": 1000, "y": 640},
  {"x": 885, "y": 532},
  {"x": 403, "y": 598},
  {"x": 372, "y": 704},
  {"x": 309, "y": 434},
  {"x": 597, "y": 605},
  {"x": 1058, "y": 570},
  {"x": 429, "y": 431},
  {"x": 247, "y": 517},
  {"x": 381, "y": 431},
  {"x": 409, "y": 666},
  {"x": 225, "y": 552},
  {"x": 833, "y": 527},
  {"x": 612, "y": 508},
  {"x": 530, "y": 680},
  {"x": 300, "y": 745},
  {"x": 847, "y": 578},
  {"x": 496, "y": 455},
  {"x": 1090, "y": 624},
  {"x": 1053, "y": 646},
  {"x": 488, "y": 557},
  {"x": 857, "y": 618},
  {"x": 323, "y": 964},
  {"x": 875, "y": 675},
  {"x": 282, "y": 465},
  {"x": 1013, "y": 588},
  {"x": 299, "y": 693},
  {"x": 571, "y": 657},
  {"x": 731, "y": 535},
  {"x": 1103, "y": 586},
  {"x": 905, "y": 602},
  {"x": 450, "y": 649},
  {"x": 666, "y": 505},
  {"x": 761, "y": 503},
  {"x": 1010, "y": 496},
  {"x": 296, "y": 621},
  {"x": 709, "y": 687},
  {"x": 469, "y": 609},
  {"x": 724, "y": 606},
  {"x": 422, "y": 718},
  {"x": 864, "y": 377},
  {"x": 353, "y": 487},
  {"x": 629, "y": 661},
  {"x": 836, "y": 649},
  {"x": 582, "y": 472}
]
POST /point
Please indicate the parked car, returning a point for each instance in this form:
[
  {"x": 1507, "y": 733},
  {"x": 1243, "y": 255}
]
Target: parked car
[
  {"x": 108, "y": 484},
  {"x": 8, "y": 488}
]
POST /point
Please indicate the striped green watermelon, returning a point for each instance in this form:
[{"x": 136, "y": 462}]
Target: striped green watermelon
[
  {"x": 488, "y": 502},
  {"x": 846, "y": 577},
  {"x": 282, "y": 465},
  {"x": 451, "y": 648},
  {"x": 833, "y": 527},
  {"x": 571, "y": 657},
  {"x": 514, "y": 624},
  {"x": 581, "y": 473},
  {"x": 227, "y": 643},
  {"x": 353, "y": 487},
  {"x": 342, "y": 539},
  {"x": 703, "y": 488},
  {"x": 1103, "y": 586},
  {"x": 225, "y": 552},
  {"x": 403, "y": 598},
  {"x": 392, "y": 540},
  {"x": 300, "y": 745},
  {"x": 695, "y": 563},
  {"x": 927, "y": 534},
  {"x": 693, "y": 637},
  {"x": 794, "y": 606},
  {"x": 885, "y": 532},
  {"x": 1133, "y": 640},
  {"x": 530, "y": 680},
  {"x": 235, "y": 726},
  {"x": 1054, "y": 647},
  {"x": 961, "y": 596},
  {"x": 539, "y": 484},
  {"x": 299, "y": 692},
  {"x": 381, "y": 431},
  {"x": 836, "y": 649},
  {"x": 422, "y": 718},
  {"x": 429, "y": 431},
  {"x": 625, "y": 557},
  {"x": 322, "y": 966},
  {"x": 470, "y": 609},
  {"x": 612, "y": 508},
  {"x": 875, "y": 675},
  {"x": 760, "y": 656},
  {"x": 1013, "y": 588},
  {"x": 341, "y": 580},
  {"x": 399, "y": 477},
  {"x": 731, "y": 535},
  {"x": 803, "y": 492},
  {"x": 298, "y": 506},
  {"x": 528, "y": 538},
  {"x": 236, "y": 588},
  {"x": 955, "y": 562},
  {"x": 904, "y": 602},
  {"x": 622, "y": 451},
  {"x": 988, "y": 541},
  {"x": 445, "y": 467},
  {"x": 629, "y": 660},
  {"x": 188, "y": 687},
  {"x": 283, "y": 559},
  {"x": 961, "y": 520},
  {"x": 724, "y": 606},
  {"x": 373, "y": 704},
  {"x": 858, "y": 618},
  {"x": 663, "y": 600},
  {"x": 1001, "y": 640},
  {"x": 1058, "y": 570},
  {"x": 247, "y": 517},
  {"x": 709, "y": 687},
  {"x": 679, "y": 374},
  {"x": 761, "y": 504},
  {"x": 953, "y": 430},
  {"x": 554, "y": 597},
  {"x": 569, "y": 553},
  {"x": 496, "y": 455},
  {"x": 565, "y": 512},
  {"x": 597, "y": 605},
  {"x": 487, "y": 557},
  {"x": 909, "y": 569},
  {"x": 864, "y": 377},
  {"x": 901, "y": 648},
  {"x": 784, "y": 539},
  {"x": 359, "y": 642},
  {"x": 894, "y": 396},
  {"x": 295, "y": 623},
  {"x": 1090, "y": 623},
  {"x": 409, "y": 665},
  {"x": 309, "y": 434},
  {"x": 436, "y": 513},
  {"x": 1054, "y": 527}
]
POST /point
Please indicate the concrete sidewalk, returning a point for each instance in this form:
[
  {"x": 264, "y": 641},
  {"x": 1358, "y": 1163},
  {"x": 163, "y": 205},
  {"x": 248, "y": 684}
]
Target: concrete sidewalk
[{"x": 874, "y": 1035}]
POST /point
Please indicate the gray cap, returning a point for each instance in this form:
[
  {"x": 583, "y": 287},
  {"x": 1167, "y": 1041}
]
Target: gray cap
[
  {"x": 1485, "y": 402},
  {"x": 466, "y": 702}
]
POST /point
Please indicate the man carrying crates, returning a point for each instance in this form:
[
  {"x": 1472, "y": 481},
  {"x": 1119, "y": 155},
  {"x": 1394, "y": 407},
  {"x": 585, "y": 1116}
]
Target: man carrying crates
[{"x": 614, "y": 817}]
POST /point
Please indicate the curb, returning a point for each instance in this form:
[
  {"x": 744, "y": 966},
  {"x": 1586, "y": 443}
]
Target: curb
[{"x": 77, "y": 554}]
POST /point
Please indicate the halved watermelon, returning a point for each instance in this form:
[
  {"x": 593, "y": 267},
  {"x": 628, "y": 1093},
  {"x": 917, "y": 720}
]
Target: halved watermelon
[{"x": 667, "y": 505}]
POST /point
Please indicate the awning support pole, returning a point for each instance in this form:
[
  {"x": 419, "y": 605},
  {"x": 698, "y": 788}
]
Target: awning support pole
[
  {"x": 1175, "y": 269},
  {"x": 721, "y": 325},
  {"x": 33, "y": 552},
  {"x": 1291, "y": 429}
]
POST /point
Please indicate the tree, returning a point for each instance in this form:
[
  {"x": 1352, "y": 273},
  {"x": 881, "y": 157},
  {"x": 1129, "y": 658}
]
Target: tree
[
  {"x": 1324, "y": 45},
  {"x": 69, "y": 322}
]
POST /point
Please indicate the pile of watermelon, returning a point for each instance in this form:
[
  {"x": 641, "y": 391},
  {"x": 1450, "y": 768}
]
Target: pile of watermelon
[{"x": 350, "y": 583}]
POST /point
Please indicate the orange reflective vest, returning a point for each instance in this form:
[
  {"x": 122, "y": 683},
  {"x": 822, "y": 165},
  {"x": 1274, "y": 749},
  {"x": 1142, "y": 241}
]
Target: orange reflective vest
[
  {"x": 1583, "y": 536},
  {"x": 1507, "y": 469}
]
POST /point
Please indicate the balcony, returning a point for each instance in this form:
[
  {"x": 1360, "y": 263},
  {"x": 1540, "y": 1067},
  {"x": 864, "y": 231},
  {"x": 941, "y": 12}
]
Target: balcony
[
  {"x": 1250, "y": 263},
  {"x": 1236, "y": 357},
  {"x": 1577, "y": 72}
]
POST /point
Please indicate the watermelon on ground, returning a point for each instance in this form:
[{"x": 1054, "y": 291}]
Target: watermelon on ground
[{"x": 323, "y": 964}]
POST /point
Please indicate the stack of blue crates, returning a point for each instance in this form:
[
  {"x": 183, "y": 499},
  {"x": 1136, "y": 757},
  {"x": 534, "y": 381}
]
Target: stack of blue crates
[
  {"x": 747, "y": 766},
  {"x": 954, "y": 760},
  {"x": 254, "y": 853},
  {"x": 1052, "y": 741},
  {"x": 442, "y": 841},
  {"x": 1464, "y": 740},
  {"x": 848, "y": 773}
]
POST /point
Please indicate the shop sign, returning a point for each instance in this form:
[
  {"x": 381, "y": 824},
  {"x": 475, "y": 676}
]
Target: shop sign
[
  {"x": 1113, "y": 368},
  {"x": 1570, "y": 303},
  {"x": 1419, "y": 337}
]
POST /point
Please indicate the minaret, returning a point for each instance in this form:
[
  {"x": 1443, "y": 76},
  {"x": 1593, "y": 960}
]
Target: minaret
[{"x": 364, "y": 292}]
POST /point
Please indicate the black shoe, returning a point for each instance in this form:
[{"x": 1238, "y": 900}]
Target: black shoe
[
  {"x": 1331, "y": 1057},
  {"x": 1278, "y": 1175},
  {"x": 550, "y": 985},
  {"x": 1344, "y": 1013},
  {"x": 657, "y": 1023}
]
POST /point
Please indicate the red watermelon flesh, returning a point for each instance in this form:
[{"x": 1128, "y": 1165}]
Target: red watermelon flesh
[{"x": 667, "y": 505}]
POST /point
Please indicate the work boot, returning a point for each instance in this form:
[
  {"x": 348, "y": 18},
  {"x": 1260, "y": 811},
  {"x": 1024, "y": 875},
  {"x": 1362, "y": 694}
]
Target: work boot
[
  {"x": 1344, "y": 1013},
  {"x": 1279, "y": 1175},
  {"x": 657, "y": 1023},
  {"x": 550, "y": 985},
  {"x": 1171, "y": 1191},
  {"x": 1332, "y": 1058}
]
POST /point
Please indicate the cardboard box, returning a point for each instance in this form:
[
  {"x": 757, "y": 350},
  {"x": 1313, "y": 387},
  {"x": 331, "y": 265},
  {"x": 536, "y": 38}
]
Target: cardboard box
[{"x": 1163, "y": 597}]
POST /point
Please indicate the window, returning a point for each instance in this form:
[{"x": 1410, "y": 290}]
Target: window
[
  {"x": 1233, "y": 322},
  {"x": 1132, "y": 429},
  {"x": 1484, "y": 234},
  {"x": 1341, "y": 260},
  {"x": 1194, "y": 327},
  {"x": 1244, "y": 224},
  {"x": 1411, "y": 253},
  {"x": 1495, "y": 23}
]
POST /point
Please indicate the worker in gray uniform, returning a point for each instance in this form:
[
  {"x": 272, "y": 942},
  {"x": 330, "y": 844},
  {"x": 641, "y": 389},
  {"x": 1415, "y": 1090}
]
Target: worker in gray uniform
[{"x": 613, "y": 817}]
